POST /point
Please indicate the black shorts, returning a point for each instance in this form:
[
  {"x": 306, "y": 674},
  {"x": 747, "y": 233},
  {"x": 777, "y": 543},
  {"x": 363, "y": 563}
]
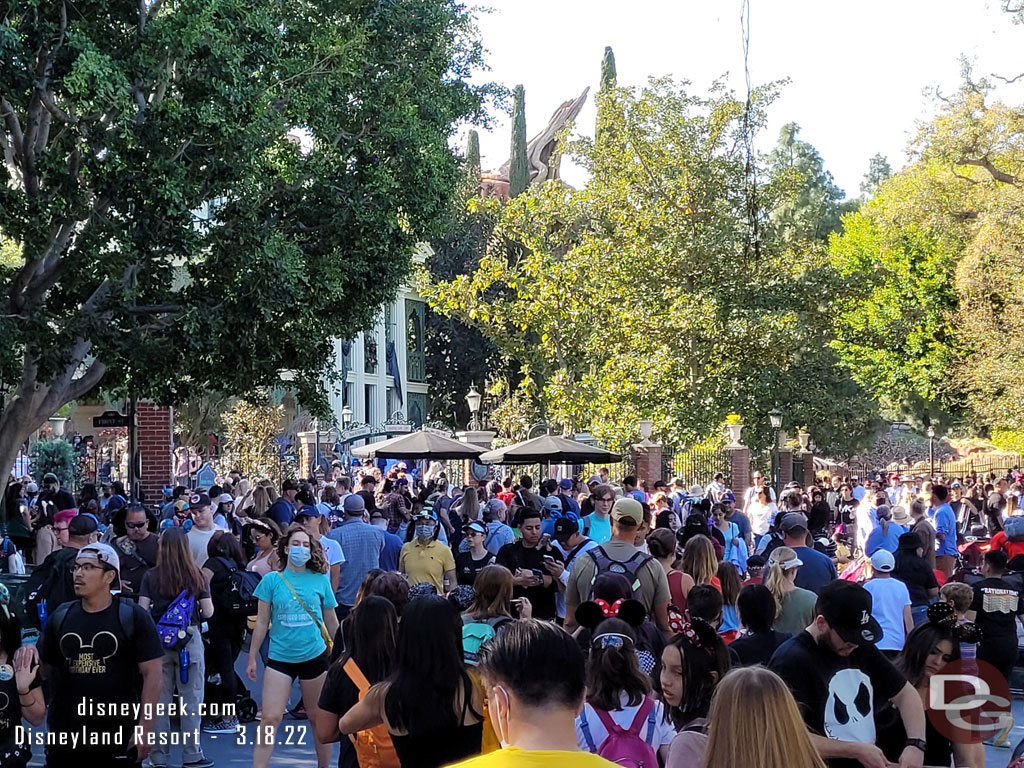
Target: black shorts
[{"x": 304, "y": 670}]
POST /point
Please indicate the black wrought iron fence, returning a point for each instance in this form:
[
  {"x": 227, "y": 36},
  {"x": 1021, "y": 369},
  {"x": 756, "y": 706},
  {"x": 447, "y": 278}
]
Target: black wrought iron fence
[{"x": 697, "y": 467}]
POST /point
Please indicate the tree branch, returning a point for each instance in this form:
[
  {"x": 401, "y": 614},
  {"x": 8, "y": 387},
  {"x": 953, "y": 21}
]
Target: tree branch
[
  {"x": 995, "y": 173},
  {"x": 152, "y": 309},
  {"x": 1008, "y": 80}
]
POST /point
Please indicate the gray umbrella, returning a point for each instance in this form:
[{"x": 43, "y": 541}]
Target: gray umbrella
[
  {"x": 551, "y": 449},
  {"x": 418, "y": 445}
]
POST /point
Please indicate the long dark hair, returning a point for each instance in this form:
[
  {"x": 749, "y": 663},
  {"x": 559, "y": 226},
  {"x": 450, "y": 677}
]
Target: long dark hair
[
  {"x": 430, "y": 673},
  {"x": 918, "y": 646},
  {"x": 224, "y": 544},
  {"x": 176, "y": 568},
  {"x": 614, "y": 670},
  {"x": 373, "y": 641},
  {"x": 699, "y": 662}
]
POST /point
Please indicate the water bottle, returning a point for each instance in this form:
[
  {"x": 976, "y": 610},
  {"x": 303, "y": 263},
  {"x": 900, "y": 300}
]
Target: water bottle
[
  {"x": 183, "y": 659},
  {"x": 41, "y": 609}
]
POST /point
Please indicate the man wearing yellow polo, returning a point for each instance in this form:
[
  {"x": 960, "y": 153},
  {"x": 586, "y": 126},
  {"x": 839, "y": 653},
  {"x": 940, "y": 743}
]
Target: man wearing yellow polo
[{"x": 425, "y": 559}]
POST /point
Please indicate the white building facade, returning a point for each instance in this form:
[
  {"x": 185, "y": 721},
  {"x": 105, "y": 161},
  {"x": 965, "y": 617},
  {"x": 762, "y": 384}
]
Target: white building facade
[{"x": 384, "y": 369}]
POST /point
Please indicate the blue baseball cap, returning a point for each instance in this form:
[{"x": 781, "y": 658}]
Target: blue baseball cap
[{"x": 307, "y": 511}]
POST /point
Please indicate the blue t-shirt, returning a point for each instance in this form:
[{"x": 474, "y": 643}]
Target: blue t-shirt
[
  {"x": 889, "y": 542},
  {"x": 281, "y": 512},
  {"x": 596, "y": 529},
  {"x": 945, "y": 522},
  {"x": 294, "y": 635},
  {"x": 392, "y": 549},
  {"x": 859, "y": 492},
  {"x": 817, "y": 569}
]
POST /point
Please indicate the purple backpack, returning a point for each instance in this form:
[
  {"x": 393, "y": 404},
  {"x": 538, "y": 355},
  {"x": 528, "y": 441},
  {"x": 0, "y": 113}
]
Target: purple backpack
[{"x": 625, "y": 746}]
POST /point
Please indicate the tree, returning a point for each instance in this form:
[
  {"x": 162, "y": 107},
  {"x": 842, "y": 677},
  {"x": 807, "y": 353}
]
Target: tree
[
  {"x": 519, "y": 169},
  {"x": 250, "y": 427},
  {"x": 814, "y": 211},
  {"x": 609, "y": 77},
  {"x": 879, "y": 170},
  {"x": 203, "y": 193},
  {"x": 605, "y": 95},
  {"x": 635, "y": 297},
  {"x": 473, "y": 156}
]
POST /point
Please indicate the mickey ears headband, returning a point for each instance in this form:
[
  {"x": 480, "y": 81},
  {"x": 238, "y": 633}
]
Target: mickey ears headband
[
  {"x": 943, "y": 615},
  {"x": 593, "y": 612}
]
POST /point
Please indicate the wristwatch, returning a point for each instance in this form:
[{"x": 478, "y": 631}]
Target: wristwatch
[{"x": 916, "y": 744}]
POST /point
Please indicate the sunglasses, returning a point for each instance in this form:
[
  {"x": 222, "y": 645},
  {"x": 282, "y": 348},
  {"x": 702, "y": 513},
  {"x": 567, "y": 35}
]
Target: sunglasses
[
  {"x": 604, "y": 498},
  {"x": 136, "y": 526}
]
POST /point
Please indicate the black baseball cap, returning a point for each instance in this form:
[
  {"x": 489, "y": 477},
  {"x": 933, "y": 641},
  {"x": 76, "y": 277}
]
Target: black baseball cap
[
  {"x": 846, "y": 607},
  {"x": 565, "y": 528},
  {"x": 82, "y": 525}
]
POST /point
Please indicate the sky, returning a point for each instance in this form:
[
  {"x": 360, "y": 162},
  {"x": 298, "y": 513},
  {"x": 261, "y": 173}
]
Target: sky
[{"x": 858, "y": 72}]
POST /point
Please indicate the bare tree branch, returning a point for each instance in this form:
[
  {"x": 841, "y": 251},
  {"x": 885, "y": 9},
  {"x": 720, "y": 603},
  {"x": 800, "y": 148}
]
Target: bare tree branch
[{"x": 1008, "y": 80}]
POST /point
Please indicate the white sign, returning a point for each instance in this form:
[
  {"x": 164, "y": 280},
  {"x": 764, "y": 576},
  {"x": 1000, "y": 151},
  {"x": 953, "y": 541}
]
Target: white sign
[
  {"x": 398, "y": 427},
  {"x": 440, "y": 432}
]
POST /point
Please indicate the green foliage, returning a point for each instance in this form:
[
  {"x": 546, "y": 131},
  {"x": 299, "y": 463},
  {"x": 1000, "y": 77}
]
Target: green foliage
[
  {"x": 879, "y": 170},
  {"x": 57, "y": 456},
  {"x": 609, "y": 77},
  {"x": 178, "y": 228},
  {"x": 472, "y": 161},
  {"x": 636, "y": 297},
  {"x": 519, "y": 171},
  {"x": 1008, "y": 440},
  {"x": 814, "y": 209}
]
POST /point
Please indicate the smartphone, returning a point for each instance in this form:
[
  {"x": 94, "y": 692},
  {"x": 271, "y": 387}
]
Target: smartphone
[
  {"x": 547, "y": 558},
  {"x": 538, "y": 573}
]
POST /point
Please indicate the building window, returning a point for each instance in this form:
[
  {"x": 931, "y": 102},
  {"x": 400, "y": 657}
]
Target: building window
[
  {"x": 369, "y": 406},
  {"x": 389, "y": 322},
  {"x": 416, "y": 354},
  {"x": 417, "y": 407},
  {"x": 370, "y": 352}
]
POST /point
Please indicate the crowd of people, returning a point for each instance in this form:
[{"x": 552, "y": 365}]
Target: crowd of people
[{"x": 572, "y": 622}]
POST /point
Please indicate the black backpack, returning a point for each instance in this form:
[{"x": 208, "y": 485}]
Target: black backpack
[
  {"x": 54, "y": 582},
  {"x": 238, "y": 599},
  {"x": 604, "y": 563}
]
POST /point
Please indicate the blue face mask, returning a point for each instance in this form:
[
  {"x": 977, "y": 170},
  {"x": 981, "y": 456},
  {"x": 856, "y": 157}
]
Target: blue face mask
[
  {"x": 425, "y": 531},
  {"x": 298, "y": 555}
]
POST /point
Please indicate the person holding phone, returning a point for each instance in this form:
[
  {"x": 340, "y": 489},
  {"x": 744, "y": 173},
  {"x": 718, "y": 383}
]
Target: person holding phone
[{"x": 525, "y": 559}]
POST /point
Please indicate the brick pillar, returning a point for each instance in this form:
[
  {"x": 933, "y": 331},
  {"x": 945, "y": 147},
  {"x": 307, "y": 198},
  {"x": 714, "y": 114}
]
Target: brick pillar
[
  {"x": 647, "y": 459},
  {"x": 785, "y": 468},
  {"x": 809, "y": 474},
  {"x": 156, "y": 449},
  {"x": 739, "y": 469}
]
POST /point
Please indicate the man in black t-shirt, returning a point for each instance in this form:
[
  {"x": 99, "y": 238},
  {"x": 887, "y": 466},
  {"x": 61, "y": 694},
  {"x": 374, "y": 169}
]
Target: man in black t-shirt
[
  {"x": 996, "y": 609},
  {"x": 840, "y": 679},
  {"x": 136, "y": 550},
  {"x": 100, "y": 651},
  {"x": 526, "y": 559},
  {"x": 53, "y": 498}
]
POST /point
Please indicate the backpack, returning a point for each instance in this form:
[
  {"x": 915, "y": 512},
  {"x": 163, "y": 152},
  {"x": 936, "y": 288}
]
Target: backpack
[
  {"x": 53, "y": 584},
  {"x": 374, "y": 746},
  {"x": 5, "y": 559},
  {"x": 475, "y": 634},
  {"x": 1014, "y": 528},
  {"x": 624, "y": 746},
  {"x": 604, "y": 563},
  {"x": 239, "y": 599},
  {"x": 173, "y": 625},
  {"x": 125, "y": 617}
]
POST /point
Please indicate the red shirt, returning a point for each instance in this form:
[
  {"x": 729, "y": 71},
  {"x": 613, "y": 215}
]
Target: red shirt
[{"x": 1013, "y": 548}]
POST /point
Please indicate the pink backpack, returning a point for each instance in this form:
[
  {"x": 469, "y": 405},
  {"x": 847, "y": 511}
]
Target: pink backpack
[{"x": 625, "y": 746}]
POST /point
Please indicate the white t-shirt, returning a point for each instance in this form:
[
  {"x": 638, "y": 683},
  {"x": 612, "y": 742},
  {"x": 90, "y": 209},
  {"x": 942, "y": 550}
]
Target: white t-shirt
[
  {"x": 198, "y": 541},
  {"x": 888, "y": 599},
  {"x": 332, "y": 551},
  {"x": 761, "y": 516},
  {"x": 662, "y": 735}
]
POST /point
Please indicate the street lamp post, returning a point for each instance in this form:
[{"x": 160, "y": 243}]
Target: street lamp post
[
  {"x": 775, "y": 419},
  {"x": 931, "y": 452},
  {"x": 346, "y": 419},
  {"x": 474, "y": 400}
]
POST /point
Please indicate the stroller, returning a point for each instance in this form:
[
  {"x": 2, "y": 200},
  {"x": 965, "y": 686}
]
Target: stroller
[{"x": 245, "y": 705}]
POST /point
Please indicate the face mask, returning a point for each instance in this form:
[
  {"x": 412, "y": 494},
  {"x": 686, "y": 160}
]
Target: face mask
[
  {"x": 425, "y": 531},
  {"x": 501, "y": 711},
  {"x": 298, "y": 555}
]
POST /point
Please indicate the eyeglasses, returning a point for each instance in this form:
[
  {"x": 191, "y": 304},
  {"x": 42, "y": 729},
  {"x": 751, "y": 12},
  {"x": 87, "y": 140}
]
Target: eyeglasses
[
  {"x": 87, "y": 567},
  {"x": 136, "y": 526},
  {"x": 60, "y": 528}
]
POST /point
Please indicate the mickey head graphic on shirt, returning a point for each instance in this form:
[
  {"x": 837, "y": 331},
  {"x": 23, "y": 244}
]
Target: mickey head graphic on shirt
[
  {"x": 88, "y": 658},
  {"x": 848, "y": 710}
]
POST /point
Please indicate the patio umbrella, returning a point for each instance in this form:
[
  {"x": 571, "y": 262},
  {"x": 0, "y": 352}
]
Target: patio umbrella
[
  {"x": 418, "y": 445},
  {"x": 549, "y": 449}
]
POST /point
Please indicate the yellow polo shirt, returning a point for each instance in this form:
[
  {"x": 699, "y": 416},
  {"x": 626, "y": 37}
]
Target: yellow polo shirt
[
  {"x": 426, "y": 562},
  {"x": 513, "y": 757}
]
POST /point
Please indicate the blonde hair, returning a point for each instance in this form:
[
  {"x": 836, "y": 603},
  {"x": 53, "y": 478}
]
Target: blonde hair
[
  {"x": 755, "y": 721},
  {"x": 957, "y": 593},
  {"x": 775, "y": 579},
  {"x": 699, "y": 559}
]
